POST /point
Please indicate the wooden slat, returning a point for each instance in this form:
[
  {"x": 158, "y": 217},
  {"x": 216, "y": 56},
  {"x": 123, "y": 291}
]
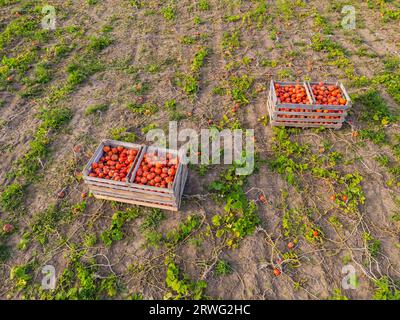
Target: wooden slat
[
  {"x": 311, "y": 113},
  {"x": 141, "y": 156},
  {"x": 273, "y": 93},
  {"x": 309, "y": 106},
  {"x": 304, "y": 125},
  {"x": 182, "y": 186},
  {"x": 309, "y": 120},
  {"x": 129, "y": 197},
  {"x": 140, "y": 203},
  {"x": 349, "y": 102},
  {"x": 95, "y": 157},
  {"x": 134, "y": 195},
  {"x": 178, "y": 177},
  {"x": 131, "y": 188}
]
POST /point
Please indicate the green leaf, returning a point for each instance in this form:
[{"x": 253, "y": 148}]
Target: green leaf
[
  {"x": 216, "y": 220},
  {"x": 220, "y": 233}
]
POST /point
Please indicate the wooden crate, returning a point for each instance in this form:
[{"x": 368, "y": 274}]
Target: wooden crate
[
  {"x": 305, "y": 115},
  {"x": 133, "y": 193}
]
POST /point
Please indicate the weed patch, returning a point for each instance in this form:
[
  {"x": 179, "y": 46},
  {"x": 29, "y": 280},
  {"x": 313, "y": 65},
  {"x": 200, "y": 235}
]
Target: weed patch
[
  {"x": 12, "y": 197},
  {"x": 96, "y": 108},
  {"x": 182, "y": 287},
  {"x": 115, "y": 232}
]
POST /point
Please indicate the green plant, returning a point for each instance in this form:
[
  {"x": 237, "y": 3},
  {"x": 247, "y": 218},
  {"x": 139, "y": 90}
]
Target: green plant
[
  {"x": 97, "y": 44},
  {"x": 182, "y": 287},
  {"x": 153, "y": 67},
  {"x": 219, "y": 90},
  {"x": 336, "y": 55},
  {"x": 199, "y": 59},
  {"x": 383, "y": 160},
  {"x": 79, "y": 207},
  {"x": 30, "y": 163},
  {"x": 79, "y": 70},
  {"x": 389, "y": 14},
  {"x": 293, "y": 224},
  {"x": 391, "y": 81},
  {"x": 232, "y": 18},
  {"x": 183, "y": 230},
  {"x": 5, "y": 253},
  {"x": 352, "y": 190},
  {"x": 377, "y": 136},
  {"x": 153, "y": 239},
  {"x": 122, "y": 134},
  {"x": 79, "y": 281},
  {"x": 286, "y": 154},
  {"x": 231, "y": 41},
  {"x": 202, "y": 169},
  {"x": 222, "y": 268},
  {"x": 337, "y": 295},
  {"x": 392, "y": 63},
  {"x": 385, "y": 290},
  {"x": 285, "y": 74},
  {"x": 137, "y": 296},
  {"x": 197, "y": 20},
  {"x": 115, "y": 232},
  {"x": 174, "y": 114},
  {"x": 373, "y": 245},
  {"x": 258, "y": 15},
  {"x": 96, "y": 108},
  {"x": 12, "y": 197},
  {"x": 291, "y": 258},
  {"x": 136, "y": 3},
  {"x": 152, "y": 220},
  {"x": 335, "y": 221},
  {"x": 149, "y": 127},
  {"x": 141, "y": 88},
  {"x": 374, "y": 108},
  {"x": 239, "y": 88},
  {"x": 203, "y": 5},
  {"x": 24, "y": 242},
  {"x": 21, "y": 275},
  {"x": 16, "y": 65},
  {"x": 293, "y": 160},
  {"x": 188, "y": 40},
  {"x": 20, "y": 27},
  {"x": 269, "y": 63},
  {"x": 240, "y": 218},
  {"x": 168, "y": 13},
  {"x": 286, "y": 7},
  {"x": 41, "y": 74},
  {"x": 143, "y": 109},
  {"x": 188, "y": 82},
  {"x": 46, "y": 222},
  {"x": 322, "y": 23},
  {"x": 90, "y": 240}
]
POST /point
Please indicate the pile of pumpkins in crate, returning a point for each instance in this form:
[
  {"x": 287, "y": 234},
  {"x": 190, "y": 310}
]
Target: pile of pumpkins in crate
[
  {"x": 136, "y": 174},
  {"x": 308, "y": 104}
]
